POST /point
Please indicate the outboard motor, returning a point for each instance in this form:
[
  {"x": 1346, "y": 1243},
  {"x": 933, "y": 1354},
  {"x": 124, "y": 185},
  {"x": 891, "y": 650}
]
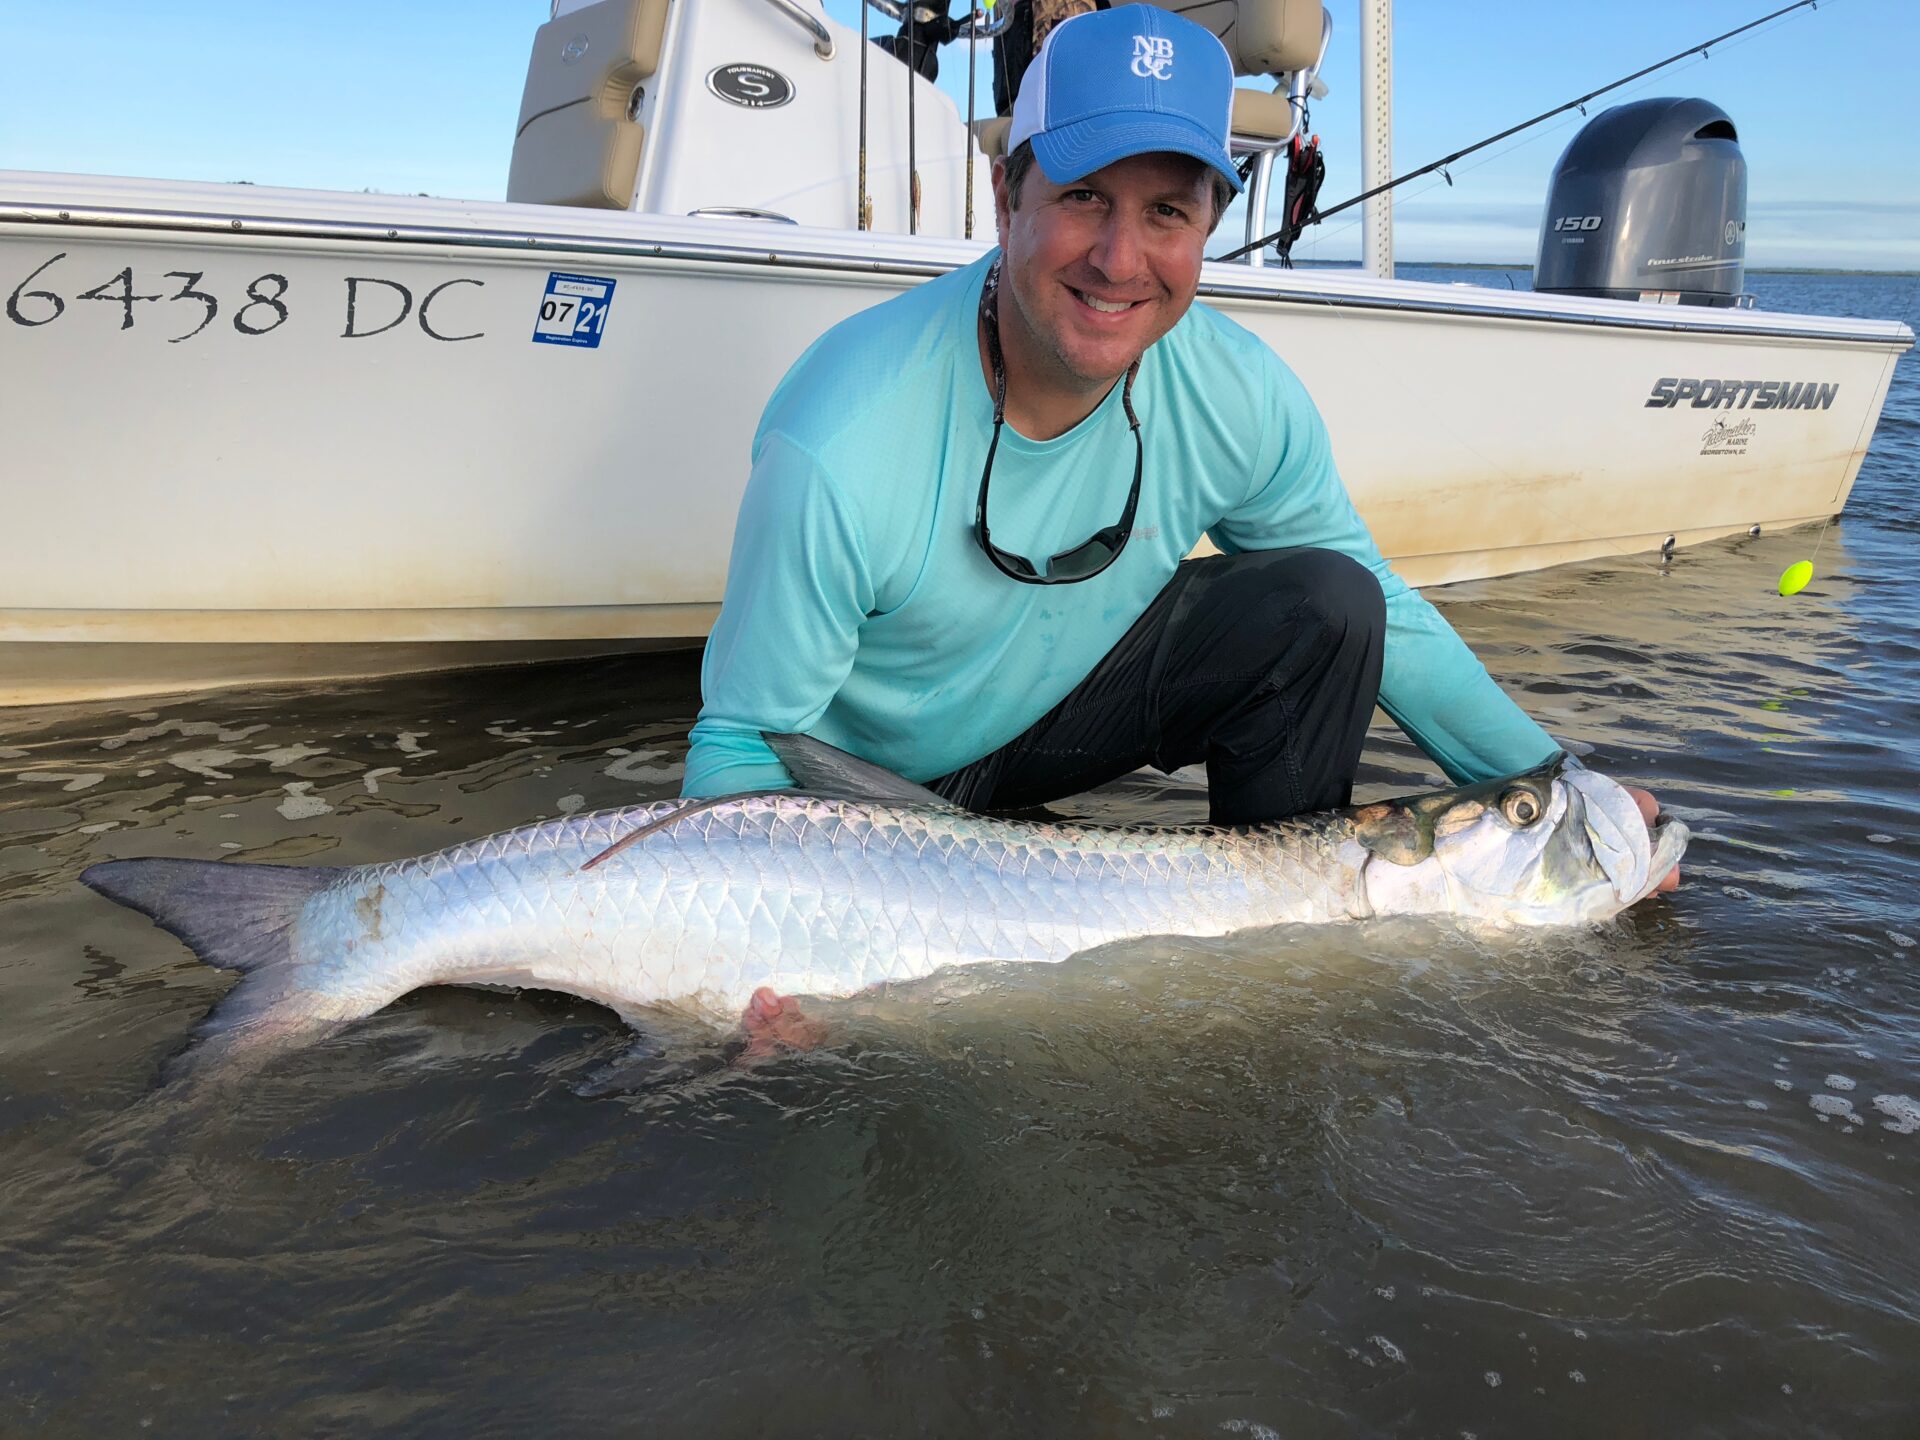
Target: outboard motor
[{"x": 1649, "y": 202}]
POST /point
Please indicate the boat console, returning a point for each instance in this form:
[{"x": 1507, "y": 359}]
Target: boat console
[{"x": 752, "y": 108}]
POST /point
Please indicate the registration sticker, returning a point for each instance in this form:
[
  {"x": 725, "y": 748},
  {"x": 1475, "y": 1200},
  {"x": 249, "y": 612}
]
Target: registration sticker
[{"x": 574, "y": 310}]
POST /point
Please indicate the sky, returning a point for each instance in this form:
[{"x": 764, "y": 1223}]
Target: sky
[{"x": 422, "y": 98}]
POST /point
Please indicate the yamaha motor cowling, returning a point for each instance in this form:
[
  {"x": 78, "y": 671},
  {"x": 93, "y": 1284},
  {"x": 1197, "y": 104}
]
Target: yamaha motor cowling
[{"x": 1649, "y": 202}]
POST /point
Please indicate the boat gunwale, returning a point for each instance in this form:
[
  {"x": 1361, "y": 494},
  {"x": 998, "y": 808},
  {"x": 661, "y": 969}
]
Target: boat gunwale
[{"x": 1535, "y": 308}]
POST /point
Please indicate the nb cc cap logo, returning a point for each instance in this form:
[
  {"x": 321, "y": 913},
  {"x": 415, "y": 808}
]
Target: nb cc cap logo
[{"x": 1152, "y": 57}]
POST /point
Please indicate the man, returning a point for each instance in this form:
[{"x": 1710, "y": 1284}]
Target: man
[{"x": 889, "y": 591}]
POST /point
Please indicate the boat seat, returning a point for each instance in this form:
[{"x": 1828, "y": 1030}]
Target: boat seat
[
  {"x": 1261, "y": 114},
  {"x": 1257, "y": 115},
  {"x": 1264, "y": 37},
  {"x": 578, "y": 141},
  {"x": 991, "y": 135}
]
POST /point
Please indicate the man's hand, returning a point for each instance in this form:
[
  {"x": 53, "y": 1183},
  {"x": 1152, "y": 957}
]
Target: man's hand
[{"x": 1649, "y": 812}]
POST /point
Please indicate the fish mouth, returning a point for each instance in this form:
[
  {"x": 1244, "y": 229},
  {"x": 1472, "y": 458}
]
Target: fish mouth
[
  {"x": 1668, "y": 838},
  {"x": 1634, "y": 856}
]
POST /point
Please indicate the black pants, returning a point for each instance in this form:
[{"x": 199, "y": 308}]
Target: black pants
[{"x": 1265, "y": 666}]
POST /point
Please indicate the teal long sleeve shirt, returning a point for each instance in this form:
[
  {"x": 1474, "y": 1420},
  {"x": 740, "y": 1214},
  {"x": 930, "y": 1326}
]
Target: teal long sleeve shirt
[{"x": 860, "y": 610}]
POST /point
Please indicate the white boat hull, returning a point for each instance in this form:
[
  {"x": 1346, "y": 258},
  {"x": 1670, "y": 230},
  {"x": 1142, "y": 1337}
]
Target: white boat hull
[{"x": 422, "y": 471}]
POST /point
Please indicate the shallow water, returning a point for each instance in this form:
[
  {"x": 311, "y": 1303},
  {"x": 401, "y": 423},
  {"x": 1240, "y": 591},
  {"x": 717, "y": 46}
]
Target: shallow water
[{"x": 1659, "y": 1178}]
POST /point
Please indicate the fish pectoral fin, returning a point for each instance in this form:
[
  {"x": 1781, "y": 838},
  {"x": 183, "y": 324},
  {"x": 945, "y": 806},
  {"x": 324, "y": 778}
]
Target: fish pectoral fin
[
  {"x": 819, "y": 769},
  {"x": 1392, "y": 832}
]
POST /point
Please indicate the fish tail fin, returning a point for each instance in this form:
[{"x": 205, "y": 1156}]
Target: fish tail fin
[{"x": 236, "y": 917}]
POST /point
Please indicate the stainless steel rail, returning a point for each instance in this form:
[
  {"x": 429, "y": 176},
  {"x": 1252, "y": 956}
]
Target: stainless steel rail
[
  {"x": 17, "y": 219},
  {"x": 743, "y": 212},
  {"x": 809, "y": 22},
  {"x": 1260, "y": 184},
  {"x": 979, "y": 25}
]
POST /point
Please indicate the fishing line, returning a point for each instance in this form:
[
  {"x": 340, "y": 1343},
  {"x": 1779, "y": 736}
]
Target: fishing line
[
  {"x": 1796, "y": 576},
  {"x": 913, "y": 163},
  {"x": 864, "y": 220},
  {"x": 1437, "y": 182},
  {"x": 1702, "y": 49},
  {"x": 973, "y": 87}
]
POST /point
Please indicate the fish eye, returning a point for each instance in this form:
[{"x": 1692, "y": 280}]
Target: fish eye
[{"x": 1521, "y": 807}]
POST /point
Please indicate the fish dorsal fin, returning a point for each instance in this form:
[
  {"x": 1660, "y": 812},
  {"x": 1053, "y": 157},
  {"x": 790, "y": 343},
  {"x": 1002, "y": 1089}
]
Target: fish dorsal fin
[
  {"x": 819, "y": 769},
  {"x": 654, "y": 827}
]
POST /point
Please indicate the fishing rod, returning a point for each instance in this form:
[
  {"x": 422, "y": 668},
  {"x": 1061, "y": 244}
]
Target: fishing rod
[
  {"x": 1441, "y": 164},
  {"x": 863, "y": 220}
]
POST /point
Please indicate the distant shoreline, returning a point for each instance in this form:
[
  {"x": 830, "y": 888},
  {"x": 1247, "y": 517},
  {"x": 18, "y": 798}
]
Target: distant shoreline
[{"x": 1528, "y": 265}]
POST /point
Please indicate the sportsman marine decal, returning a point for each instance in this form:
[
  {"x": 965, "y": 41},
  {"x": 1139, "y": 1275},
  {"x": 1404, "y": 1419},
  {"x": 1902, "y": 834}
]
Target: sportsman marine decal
[
  {"x": 1727, "y": 437},
  {"x": 1743, "y": 394}
]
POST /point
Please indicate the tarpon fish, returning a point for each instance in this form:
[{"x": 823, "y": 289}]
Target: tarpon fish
[{"x": 856, "y": 879}]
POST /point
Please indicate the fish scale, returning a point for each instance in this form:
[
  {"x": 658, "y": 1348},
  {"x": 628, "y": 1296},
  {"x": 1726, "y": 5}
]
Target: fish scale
[{"x": 808, "y": 896}]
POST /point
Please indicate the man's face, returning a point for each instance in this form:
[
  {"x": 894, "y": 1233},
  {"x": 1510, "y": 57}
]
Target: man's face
[{"x": 1101, "y": 268}]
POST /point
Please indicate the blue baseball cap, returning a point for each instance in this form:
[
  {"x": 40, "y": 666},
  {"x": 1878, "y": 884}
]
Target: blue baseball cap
[{"x": 1125, "y": 81}]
